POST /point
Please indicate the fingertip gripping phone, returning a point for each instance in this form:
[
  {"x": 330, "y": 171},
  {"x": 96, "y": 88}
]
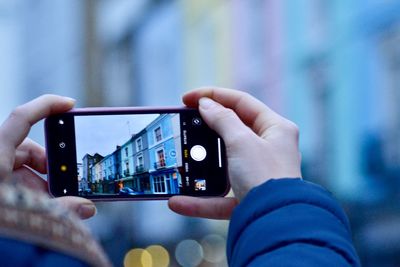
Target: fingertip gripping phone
[{"x": 134, "y": 153}]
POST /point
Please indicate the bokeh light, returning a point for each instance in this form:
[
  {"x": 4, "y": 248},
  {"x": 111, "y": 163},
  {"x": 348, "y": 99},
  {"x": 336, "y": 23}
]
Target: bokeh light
[
  {"x": 159, "y": 256},
  {"x": 138, "y": 257},
  {"x": 189, "y": 253},
  {"x": 214, "y": 248}
]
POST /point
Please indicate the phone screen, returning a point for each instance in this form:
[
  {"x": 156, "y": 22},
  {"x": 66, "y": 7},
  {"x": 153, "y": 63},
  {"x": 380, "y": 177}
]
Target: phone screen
[{"x": 138, "y": 154}]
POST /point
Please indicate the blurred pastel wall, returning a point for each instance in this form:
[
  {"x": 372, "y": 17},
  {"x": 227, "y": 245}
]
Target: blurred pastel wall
[{"x": 330, "y": 66}]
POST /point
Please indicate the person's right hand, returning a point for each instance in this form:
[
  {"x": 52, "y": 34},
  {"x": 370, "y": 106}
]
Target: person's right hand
[{"x": 260, "y": 145}]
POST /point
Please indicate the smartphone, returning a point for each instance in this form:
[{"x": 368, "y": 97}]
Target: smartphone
[{"x": 134, "y": 153}]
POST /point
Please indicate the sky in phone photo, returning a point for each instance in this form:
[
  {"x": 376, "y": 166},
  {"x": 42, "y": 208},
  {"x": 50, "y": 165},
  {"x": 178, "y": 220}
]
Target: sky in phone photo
[{"x": 102, "y": 134}]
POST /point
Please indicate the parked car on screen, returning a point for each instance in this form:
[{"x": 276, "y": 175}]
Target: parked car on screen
[{"x": 127, "y": 191}]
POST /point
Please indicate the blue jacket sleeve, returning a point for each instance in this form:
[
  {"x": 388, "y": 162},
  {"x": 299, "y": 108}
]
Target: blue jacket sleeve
[{"x": 290, "y": 222}]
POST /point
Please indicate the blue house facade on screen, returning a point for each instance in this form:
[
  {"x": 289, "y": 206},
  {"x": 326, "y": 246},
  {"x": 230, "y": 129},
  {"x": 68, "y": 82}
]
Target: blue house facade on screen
[
  {"x": 141, "y": 163},
  {"x": 126, "y": 153},
  {"x": 164, "y": 154}
]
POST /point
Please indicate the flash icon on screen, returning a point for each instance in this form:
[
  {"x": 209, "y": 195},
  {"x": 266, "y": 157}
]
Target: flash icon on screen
[{"x": 65, "y": 191}]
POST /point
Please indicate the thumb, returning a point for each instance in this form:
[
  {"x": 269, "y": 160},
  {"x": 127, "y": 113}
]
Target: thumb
[
  {"x": 84, "y": 208},
  {"x": 222, "y": 120}
]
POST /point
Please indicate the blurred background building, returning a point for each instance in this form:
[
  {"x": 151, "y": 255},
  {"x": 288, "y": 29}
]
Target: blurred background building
[{"x": 332, "y": 67}]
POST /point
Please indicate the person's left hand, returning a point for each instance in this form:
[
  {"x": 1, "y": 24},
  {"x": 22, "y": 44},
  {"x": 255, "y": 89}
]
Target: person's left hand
[{"x": 21, "y": 157}]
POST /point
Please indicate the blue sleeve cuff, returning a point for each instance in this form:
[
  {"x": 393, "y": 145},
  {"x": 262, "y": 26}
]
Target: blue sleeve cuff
[{"x": 285, "y": 212}]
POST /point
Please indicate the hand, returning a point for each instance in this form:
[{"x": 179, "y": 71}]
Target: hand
[
  {"x": 260, "y": 145},
  {"x": 19, "y": 155}
]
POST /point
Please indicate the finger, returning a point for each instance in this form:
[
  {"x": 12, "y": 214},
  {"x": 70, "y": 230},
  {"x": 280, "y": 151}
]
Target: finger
[
  {"x": 31, "y": 154},
  {"x": 250, "y": 110},
  {"x": 211, "y": 208},
  {"x": 224, "y": 121},
  {"x": 17, "y": 125},
  {"x": 84, "y": 208},
  {"x": 30, "y": 179}
]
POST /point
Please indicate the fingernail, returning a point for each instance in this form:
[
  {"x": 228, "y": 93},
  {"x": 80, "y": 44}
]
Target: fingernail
[
  {"x": 87, "y": 210},
  {"x": 206, "y": 103},
  {"x": 70, "y": 99}
]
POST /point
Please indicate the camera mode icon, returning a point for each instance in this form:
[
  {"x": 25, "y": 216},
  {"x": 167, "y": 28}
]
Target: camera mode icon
[{"x": 196, "y": 121}]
